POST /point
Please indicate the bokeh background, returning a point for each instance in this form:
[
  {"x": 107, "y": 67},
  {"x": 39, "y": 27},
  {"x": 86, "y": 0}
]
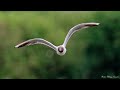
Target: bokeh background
[{"x": 92, "y": 53}]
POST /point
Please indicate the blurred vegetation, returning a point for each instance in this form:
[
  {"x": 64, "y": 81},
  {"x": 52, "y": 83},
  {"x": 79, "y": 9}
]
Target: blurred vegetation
[{"x": 91, "y": 53}]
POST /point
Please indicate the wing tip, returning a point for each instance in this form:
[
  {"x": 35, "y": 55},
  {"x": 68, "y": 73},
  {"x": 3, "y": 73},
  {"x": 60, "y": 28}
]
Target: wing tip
[
  {"x": 16, "y": 46},
  {"x": 97, "y": 24},
  {"x": 21, "y": 45},
  {"x": 92, "y": 24}
]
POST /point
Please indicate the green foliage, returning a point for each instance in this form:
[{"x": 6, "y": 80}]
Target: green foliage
[{"x": 91, "y": 53}]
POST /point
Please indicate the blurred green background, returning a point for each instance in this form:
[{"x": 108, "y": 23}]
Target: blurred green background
[{"x": 91, "y": 53}]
